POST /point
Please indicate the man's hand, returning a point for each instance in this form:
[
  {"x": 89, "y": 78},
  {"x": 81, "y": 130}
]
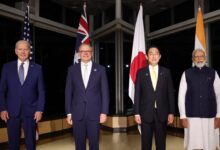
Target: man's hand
[
  {"x": 217, "y": 123},
  {"x": 4, "y": 115},
  {"x": 170, "y": 119},
  {"x": 37, "y": 116},
  {"x": 138, "y": 119},
  {"x": 103, "y": 118},
  {"x": 69, "y": 119},
  {"x": 185, "y": 123}
]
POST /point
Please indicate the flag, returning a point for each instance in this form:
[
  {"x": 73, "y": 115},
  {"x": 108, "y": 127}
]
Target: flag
[
  {"x": 200, "y": 42},
  {"x": 138, "y": 58},
  {"x": 82, "y": 34},
  {"x": 26, "y": 34}
]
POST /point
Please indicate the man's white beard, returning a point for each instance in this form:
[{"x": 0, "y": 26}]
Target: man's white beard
[{"x": 199, "y": 64}]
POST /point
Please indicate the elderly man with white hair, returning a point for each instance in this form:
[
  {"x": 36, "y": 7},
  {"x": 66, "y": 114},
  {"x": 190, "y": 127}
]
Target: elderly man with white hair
[{"x": 199, "y": 104}]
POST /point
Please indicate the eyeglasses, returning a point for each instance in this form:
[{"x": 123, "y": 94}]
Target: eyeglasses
[
  {"x": 199, "y": 56},
  {"x": 86, "y": 51}
]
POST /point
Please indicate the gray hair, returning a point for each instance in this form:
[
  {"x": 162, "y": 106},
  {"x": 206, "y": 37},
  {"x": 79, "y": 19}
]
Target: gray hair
[
  {"x": 199, "y": 49},
  {"x": 23, "y": 41}
]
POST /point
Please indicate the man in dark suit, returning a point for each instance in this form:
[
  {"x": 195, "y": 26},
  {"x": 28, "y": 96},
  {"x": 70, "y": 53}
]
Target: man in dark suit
[
  {"x": 22, "y": 97},
  {"x": 86, "y": 99},
  {"x": 154, "y": 101}
]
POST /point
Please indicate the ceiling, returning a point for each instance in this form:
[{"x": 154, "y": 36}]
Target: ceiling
[{"x": 97, "y": 6}]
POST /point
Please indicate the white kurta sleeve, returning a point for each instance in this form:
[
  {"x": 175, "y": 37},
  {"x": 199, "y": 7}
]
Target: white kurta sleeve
[
  {"x": 217, "y": 93},
  {"x": 181, "y": 96}
]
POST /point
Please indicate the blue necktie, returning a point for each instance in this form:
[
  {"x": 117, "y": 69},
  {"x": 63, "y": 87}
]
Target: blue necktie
[{"x": 21, "y": 73}]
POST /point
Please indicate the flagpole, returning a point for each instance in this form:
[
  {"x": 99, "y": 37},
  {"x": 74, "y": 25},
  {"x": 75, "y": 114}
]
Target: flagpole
[
  {"x": 84, "y": 4},
  {"x": 141, "y": 1},
  {"x": 84, "y": 8},
  {"x": 199, "y": 3},
  {"x": 28, "y": 2}
]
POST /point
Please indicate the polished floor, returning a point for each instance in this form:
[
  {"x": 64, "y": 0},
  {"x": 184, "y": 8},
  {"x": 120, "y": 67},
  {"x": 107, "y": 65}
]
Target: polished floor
[{"x": 108, "y": 141}]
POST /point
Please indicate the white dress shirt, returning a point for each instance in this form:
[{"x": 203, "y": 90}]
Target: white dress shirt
[
  {"x": 156, "y": 68},
  {"x": 25, "y": 65},
  {"x": 86, "y": 75},
  {"x": 151, "y": 72}
]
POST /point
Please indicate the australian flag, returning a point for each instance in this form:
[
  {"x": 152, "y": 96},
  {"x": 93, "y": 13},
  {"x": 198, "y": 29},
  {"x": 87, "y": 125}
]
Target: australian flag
[
  {"x": 26, "y": 34},
  {"x": 82, "y": 34}
]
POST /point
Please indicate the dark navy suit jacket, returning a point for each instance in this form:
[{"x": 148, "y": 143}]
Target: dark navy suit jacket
[
  {"x": 29, "y": 97},
  {"x": 145, "y": 96},
  {"x": 92, "y": 100}
]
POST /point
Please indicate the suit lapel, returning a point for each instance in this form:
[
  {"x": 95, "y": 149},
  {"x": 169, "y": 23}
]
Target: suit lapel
[
  {"x": 30, "y": 70},
  {"x": 92, "y": 73},
  {"x": 159, "y": 78},
  {"x": 79, "y": 74},
  {"x": 28, "y": 73},
  {"x": 160, "y": 74},
  {"x": 148, "y": 77},
  {"x": 147, "y": 73},
  {"x": 15, "y": 71}
]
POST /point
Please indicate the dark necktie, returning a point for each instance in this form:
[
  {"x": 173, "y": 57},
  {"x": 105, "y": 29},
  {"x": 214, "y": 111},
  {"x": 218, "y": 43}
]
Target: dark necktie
[{"x": 21, "y": 73}]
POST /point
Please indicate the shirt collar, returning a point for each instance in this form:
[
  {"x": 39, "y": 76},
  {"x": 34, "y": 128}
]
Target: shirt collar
[
  {"x": 25, "y": 62},
  {"x": 156, "y": 67},
  {"x": 89, "y": 63}
]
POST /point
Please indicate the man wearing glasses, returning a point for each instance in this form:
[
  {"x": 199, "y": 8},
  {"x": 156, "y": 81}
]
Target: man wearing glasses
[
  {"x": 86, "y": 99},
  {"x": 199, "y": 104}
]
